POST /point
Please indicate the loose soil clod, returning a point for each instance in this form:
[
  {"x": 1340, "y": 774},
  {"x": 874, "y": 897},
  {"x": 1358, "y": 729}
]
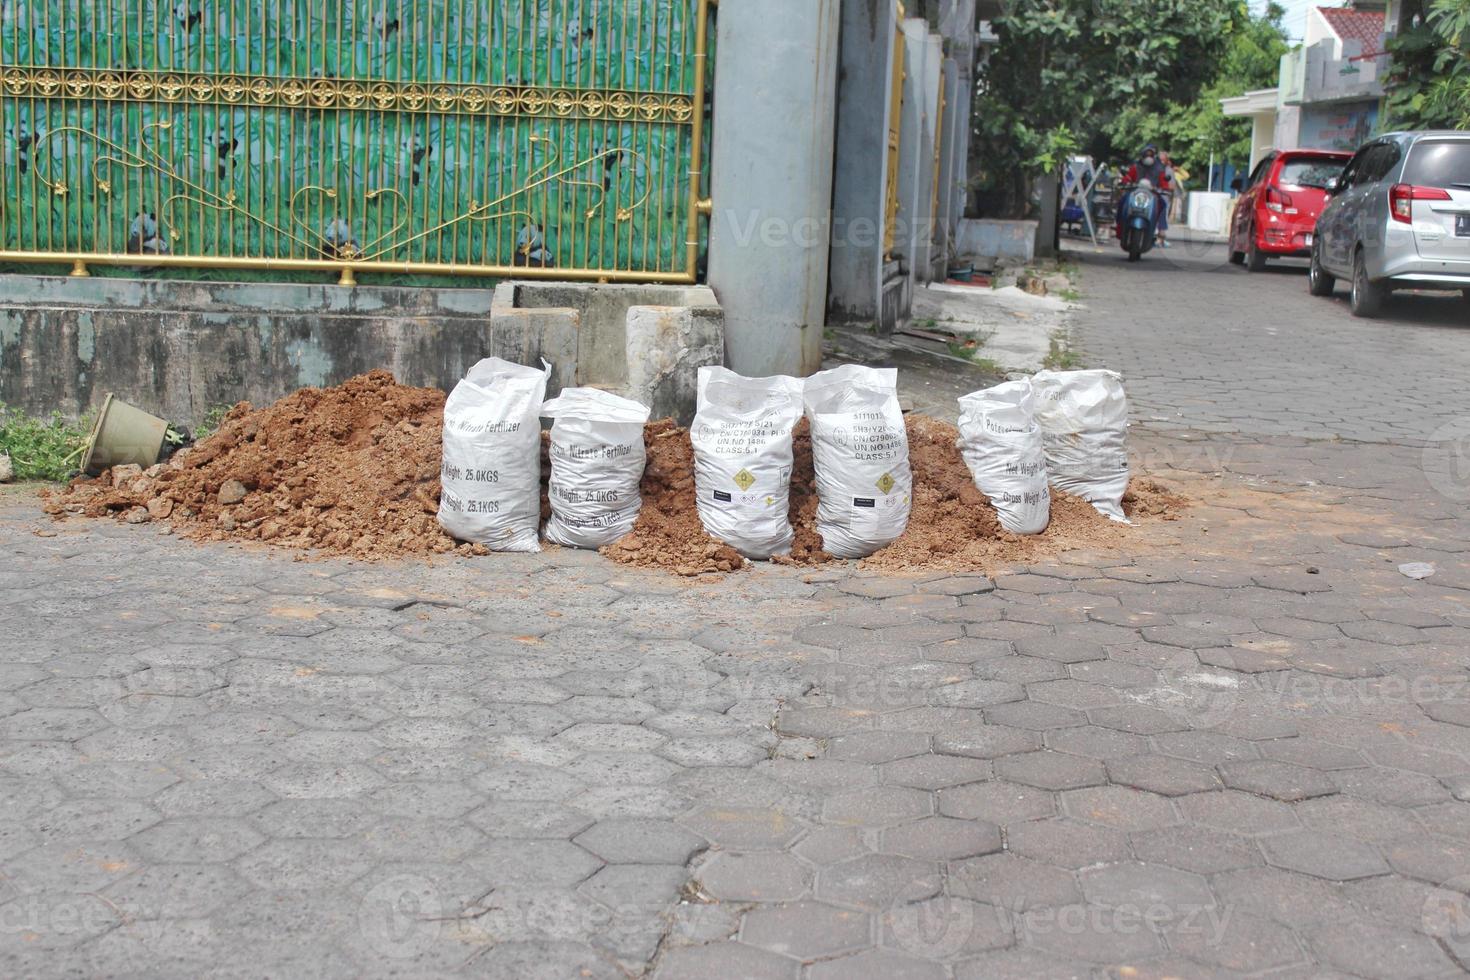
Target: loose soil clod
[
  {"x": 347, "y": 470},
  {"x": 354, "y": 470}
]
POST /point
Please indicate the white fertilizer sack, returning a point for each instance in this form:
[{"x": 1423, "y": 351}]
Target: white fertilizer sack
[
  {"x": 1084, "y": 426},
  {"x": 491, "y": 475},
  {"x": 1002, "y": 446},
  {"x": 860, "y": 452},
  {"x": 742, "y": 459},
  {"x": 597, "y": 462}
]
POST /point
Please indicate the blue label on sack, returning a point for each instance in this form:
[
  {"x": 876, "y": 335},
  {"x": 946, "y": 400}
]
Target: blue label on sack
[
  {"x": 723, "y": 496},
  {"x": 864, "y": 502}
]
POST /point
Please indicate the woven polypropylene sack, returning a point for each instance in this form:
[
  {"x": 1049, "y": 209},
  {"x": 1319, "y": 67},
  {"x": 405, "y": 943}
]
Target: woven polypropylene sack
[
  {"x": 597, "y": 460},
  {"x": 1084, "y": 426},
  {"x": 742, "y": 459},
  {"x": 1002, "y": 446},
  {"x": 860, "y": 452},
  {"x": 491, "y": 475}
]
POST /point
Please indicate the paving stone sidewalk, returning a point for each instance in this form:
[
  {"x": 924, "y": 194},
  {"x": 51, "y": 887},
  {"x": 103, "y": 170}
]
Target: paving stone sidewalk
[{"x": 1242, "y": 748}]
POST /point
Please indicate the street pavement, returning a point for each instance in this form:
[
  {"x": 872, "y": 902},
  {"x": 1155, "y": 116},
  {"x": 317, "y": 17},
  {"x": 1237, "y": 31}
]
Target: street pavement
[{"x": 1241, "y": 747}]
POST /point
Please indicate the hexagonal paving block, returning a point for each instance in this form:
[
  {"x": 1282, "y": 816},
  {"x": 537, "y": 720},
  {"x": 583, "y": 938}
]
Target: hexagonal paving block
[
  {"x": 720, "y": 959},
  {"x": 1051, "y": 770},
  {"x": 877, "y": 806},
  {"x": 1034, "y": 715},
  {"x": 877, "y": 964},
  {"x": 640, "y": 841},
  {"x": 931, "y": 772},
  {"x": 1426, "y": 857},
  {"x": 997, "y": 801},
  {"x": 1205, "y": 747},
  {"x": 941, "y": 839},
  {"x": 1163, "y": 774},
  {"x": 878, "y": 747},
  {"x": 1138, "y": 719},
  {"x": 761, "y": 876},
  {"x": 1368, "y": 949},
  {"x": 167, "y": 891},
  {"x": 1096, "y": 743},
  {"x": 1357, "y": 818},
  {"x": 196, "y": 839},
  {"x": 806, "y": 930},
  {"x": 531, "y": 818},
  {"x": 624, "y": 886},
  {"x": 293, "y": 865},
  {"x": 745, "y": 828},
  {"x": 1237, "y": 812},
  {"x": 1311, "y": 753},
  {"x": 1278, "y": 780},
  {"x": 946, "y": 927},
  {"x": 1241, "y": 943},
  {"x": 95, "y": 820},
  {"x": 540, "y": 863},
  {"x": 877, "y": 881},
  {"x": 1076, "y": 934},
  {"x": 1195, "y": 848},
  {"x": 1323, "y": 855},
  {"x": 1009, "y": 881},
  {"x": 986, "y": 741},
  {"x": 1121, "y": 807},
  {"x": 1138, "y": 885},
  {"x": 1067, "y": 843}
]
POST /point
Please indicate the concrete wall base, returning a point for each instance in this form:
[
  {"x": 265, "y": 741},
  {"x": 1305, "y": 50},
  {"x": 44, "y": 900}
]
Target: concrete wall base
[
  {"x": 646, "y": 343},
  {"x": 178, "y": 349},
  {"x": 990, "y": 238}
]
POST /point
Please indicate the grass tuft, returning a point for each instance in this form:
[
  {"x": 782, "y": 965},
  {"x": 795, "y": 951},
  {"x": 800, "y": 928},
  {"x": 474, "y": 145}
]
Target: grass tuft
[{"x": 41, "y": 449}]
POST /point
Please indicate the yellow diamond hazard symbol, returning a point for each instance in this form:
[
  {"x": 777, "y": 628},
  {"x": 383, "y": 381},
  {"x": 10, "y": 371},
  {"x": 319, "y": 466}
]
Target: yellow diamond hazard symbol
[
  {"x": 885, "y": 483},
  {"x": 744, "y": 479}
]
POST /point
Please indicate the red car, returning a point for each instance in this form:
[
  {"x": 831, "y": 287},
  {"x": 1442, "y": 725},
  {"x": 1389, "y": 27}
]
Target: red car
[{"x": 1277, "y": 212}]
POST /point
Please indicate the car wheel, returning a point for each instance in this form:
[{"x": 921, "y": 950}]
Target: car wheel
[
  {"x": 1255, "y": 259},
  {"x": 1367, "y": 296},
  {"x": 1320, "y": 282}
]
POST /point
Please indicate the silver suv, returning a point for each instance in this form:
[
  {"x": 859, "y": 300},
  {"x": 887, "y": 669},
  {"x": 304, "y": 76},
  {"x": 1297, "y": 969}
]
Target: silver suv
[{"x": 1399, "y": 215}]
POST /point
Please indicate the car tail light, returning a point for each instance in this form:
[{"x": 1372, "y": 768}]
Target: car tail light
[
  {"x": 1401, "y": 198},
  {"x": 1277, "y": 201}
]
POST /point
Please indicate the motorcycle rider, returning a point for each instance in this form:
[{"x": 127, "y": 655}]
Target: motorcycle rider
[{"x": 1151, "y": 168}]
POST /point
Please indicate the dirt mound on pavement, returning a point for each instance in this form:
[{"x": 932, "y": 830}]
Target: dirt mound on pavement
[
  {"x": 953, "y": 526},
  {"x": 354, "y": 470},
  {"x": 347, "y": 470}
]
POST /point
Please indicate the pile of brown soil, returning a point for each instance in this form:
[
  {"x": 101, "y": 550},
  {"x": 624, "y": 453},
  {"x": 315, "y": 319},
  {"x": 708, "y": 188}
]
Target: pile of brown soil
[
  {"x": 354, "y": 470},
  {"x": 668, "y": 533},
  {"x": 347, "y": 470},
  {"x": 953, "y": 526}
]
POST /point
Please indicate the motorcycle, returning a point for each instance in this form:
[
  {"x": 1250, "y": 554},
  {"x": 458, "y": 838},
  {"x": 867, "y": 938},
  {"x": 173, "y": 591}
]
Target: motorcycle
[{"x": 1138, "y": 219}]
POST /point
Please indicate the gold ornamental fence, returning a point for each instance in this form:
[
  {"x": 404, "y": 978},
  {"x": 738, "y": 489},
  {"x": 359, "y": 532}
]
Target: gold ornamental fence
[{"x": 551, "y": 138}]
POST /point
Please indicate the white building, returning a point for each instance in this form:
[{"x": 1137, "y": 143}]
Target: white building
[{"x": 1330, "y": 86}]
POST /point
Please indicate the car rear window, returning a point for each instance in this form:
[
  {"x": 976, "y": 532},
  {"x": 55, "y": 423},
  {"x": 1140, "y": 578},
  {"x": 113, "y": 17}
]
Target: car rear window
[
  {"x": 1310, "y": 171},
  {"x": 1439, "y": 163}
]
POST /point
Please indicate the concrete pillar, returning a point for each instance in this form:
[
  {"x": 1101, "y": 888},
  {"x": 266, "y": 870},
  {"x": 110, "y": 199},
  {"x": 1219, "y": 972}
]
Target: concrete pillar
[
  {"x": 860, "y": 161},
  {"x": 771, "y": 180},
  {"x": 950, "y": 137},
  {"x": 916, "y": 155}
]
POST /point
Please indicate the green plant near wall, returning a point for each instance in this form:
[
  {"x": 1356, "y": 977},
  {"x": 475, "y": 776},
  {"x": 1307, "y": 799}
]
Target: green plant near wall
[
  {"x": 41, "y": 448},
  {"x": 1429, "y": 82}
]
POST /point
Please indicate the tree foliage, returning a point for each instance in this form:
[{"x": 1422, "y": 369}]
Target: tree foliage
[
  {"x": 1429, "y": 87},
  {"x": 1193, "y": 131},
  {"x": 1063, "y": 70}
]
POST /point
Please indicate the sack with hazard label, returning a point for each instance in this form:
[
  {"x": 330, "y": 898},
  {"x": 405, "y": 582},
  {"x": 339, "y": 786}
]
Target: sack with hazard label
[
  {"x": 1084, "y": 426},
  {"x": 1001, "y": 443},
  {"x": 490, "y": 479},
  {"x": 742, "y": 459},
  {"x": 597, "y": 460},
  {"x": 860, "y": 452}
]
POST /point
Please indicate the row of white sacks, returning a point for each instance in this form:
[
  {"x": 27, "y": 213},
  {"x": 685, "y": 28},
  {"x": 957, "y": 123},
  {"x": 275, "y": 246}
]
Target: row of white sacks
[{"x": 1062, "y": 429}]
